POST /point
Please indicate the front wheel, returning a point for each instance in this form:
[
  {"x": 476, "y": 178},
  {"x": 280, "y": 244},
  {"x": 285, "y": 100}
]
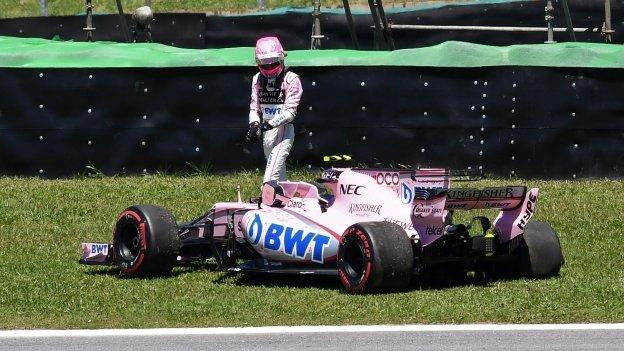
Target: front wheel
[
  {"x": 145, "y": 241},
  {"x": 375, "y": 256}
]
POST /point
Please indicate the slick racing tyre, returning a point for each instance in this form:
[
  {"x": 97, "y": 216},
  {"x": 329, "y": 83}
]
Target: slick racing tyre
[
  {"x": 540, "y": 251},
  {"x": 375, "y": 257},
  {"x": 145, "y": 241}
]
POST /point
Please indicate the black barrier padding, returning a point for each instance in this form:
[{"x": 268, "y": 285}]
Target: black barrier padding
[
  {"x": 539, "y": 122},
  {"x": 118, "y": 120},
  {"x": 294, "y": 28},
  {"x": 66, "y": 27},
  {"x": 186, "y": 30}
]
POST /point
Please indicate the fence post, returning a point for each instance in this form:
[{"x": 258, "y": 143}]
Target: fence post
[
  {"x": 43, "y": 7},
  {"x": 316, "y": 26},
  {"x": 89, "y": 28}
]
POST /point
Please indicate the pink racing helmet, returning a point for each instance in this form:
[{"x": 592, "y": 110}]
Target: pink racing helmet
[{"x": 270, "y": 56}]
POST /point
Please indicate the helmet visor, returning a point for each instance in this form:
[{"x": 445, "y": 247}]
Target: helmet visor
[
  {"x": 267, "y": 61},
  {"x": 270, "y": 66}
]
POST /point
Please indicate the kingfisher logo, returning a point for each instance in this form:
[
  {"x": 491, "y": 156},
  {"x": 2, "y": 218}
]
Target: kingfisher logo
[
  {"x": 291, "y": 241},
  {"x": 365, "y": 208}
]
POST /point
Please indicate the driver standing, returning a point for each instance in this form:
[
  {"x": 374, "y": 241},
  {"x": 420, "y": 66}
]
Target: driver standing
[{"x": 275, "y": 96}]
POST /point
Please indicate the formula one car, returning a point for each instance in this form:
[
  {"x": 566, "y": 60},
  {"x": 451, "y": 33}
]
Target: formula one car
[{"x": 374, "y": 228}]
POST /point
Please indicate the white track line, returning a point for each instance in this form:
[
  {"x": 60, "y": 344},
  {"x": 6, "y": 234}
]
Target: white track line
[{"x": 303, "y": 329}]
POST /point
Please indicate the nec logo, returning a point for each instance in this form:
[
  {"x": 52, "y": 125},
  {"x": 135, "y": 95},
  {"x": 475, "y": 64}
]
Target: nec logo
[{"x": 351, "y": 189}]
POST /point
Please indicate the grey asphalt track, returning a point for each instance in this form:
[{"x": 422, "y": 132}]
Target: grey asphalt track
[{"x": 393, "y": 340}]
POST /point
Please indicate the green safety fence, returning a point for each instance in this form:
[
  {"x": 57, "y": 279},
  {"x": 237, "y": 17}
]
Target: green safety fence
[{"x": 42, "y": 53}]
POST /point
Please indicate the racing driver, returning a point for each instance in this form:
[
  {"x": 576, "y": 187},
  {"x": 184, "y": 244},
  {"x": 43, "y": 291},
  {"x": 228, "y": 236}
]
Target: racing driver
[{"x": 275, "y": 96}]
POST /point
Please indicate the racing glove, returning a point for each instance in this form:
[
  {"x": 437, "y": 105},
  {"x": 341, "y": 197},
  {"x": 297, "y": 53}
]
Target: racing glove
[
  {"x": 254, "y": 132},
  {"x": 265, "y": 126}
]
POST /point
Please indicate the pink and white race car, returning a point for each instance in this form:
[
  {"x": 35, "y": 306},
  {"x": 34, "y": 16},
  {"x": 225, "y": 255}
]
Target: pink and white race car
[{"x": 374, "y": 228}]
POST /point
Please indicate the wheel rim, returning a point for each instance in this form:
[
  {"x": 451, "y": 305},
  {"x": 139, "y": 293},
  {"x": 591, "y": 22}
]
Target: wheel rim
[
  {"x": 353, "y": 259},
  {"x": 129, "y": 243}
]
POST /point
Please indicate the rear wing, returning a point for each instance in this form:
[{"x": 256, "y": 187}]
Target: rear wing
[
  {"x": 516, "y": 203},
  {"x": 504, "y": 198},
  {"x": 457, "y": 175}
]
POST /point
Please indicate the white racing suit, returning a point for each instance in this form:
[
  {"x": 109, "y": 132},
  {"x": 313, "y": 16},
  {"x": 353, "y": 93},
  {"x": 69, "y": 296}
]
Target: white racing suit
[{"x": 275, "y": 100}]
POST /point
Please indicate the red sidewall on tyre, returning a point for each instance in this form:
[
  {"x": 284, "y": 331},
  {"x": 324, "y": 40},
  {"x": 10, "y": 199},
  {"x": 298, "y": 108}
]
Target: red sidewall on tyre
[
  {"x": 355, "y": 282},
  {"x": 145, "y": 241},
  {"x": 131, "y": 217},
  {"x": 375, "y": 257}
]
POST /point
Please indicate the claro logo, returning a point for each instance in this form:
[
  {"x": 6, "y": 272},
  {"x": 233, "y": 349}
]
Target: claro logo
[{"x": 351, "y": 189}]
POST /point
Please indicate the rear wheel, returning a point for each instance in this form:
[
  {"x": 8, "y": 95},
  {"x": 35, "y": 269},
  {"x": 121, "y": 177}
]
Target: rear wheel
[
  {"x": 145, "y": 241},
  {"x": 375, "y": 256},
  {"x": 540, "y": 251}
]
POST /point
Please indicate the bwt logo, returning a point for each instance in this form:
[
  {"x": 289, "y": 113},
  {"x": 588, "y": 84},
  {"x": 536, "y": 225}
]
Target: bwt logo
[
  {"x": 291, "y": 241},
  {"x": 351, "y": 189},
  {"x": 99, "y": 248},
  {"x": 272, "y": 110}
]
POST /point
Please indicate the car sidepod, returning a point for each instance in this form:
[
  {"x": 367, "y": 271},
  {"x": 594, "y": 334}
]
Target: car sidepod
[{"x": 284, "y": 235}]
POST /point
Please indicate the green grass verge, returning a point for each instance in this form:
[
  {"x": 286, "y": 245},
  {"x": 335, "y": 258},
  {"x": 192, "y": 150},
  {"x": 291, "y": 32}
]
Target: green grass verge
[
  {"x": 42, "y": 223},
  {"x": 27, "y": 8}
]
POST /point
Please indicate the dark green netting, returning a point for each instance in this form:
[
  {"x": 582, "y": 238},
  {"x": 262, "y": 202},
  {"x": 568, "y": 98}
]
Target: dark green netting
[
  {"x": 364, "y": 10},
  {"x": 41, "y": 53}
]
